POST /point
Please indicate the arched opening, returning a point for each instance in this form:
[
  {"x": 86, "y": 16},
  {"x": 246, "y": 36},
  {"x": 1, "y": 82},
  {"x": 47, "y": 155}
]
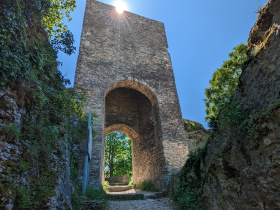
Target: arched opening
[
  {"x": 121, "y": 128},
  {"x": 133, "y": 110},
  {"x": 118, "y": 158}
]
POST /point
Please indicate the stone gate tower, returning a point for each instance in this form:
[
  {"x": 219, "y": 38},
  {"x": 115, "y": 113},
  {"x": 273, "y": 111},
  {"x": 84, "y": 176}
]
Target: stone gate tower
[{"x": 125, "y": 67}]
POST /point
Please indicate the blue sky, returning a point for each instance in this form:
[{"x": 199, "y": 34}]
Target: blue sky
[{"x": 200, "y": 35}]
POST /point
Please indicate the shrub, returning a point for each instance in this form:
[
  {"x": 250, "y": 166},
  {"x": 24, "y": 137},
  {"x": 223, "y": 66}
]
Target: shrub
[
  {"x": 106, "y": 184},
  {"x": 186, "y": 198},
  {"x": 147, "y": 186}
]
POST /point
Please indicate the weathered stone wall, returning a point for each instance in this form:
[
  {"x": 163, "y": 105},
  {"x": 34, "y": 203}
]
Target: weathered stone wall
[
  {"x": 241, "y": 171},
  {"x": 129, "y": 107},
  {"x": 119, "y": 179},
  {"x": 122, "y": 107},
  {"x": 130, "y": 51}
]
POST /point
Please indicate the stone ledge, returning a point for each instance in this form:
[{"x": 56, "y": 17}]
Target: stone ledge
[
  {"x": 119, "y": 188},
  {"x": 93, "y": 205},
  {"x": 124, "y": 197}
]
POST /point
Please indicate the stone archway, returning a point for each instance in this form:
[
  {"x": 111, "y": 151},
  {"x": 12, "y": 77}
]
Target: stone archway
[{"x": 131, "y": 108}]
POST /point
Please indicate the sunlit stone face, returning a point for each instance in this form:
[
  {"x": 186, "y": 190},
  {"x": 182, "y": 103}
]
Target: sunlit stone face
[{"x": 120, "y": 6}]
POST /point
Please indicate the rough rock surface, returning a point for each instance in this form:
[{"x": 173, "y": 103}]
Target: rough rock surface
[
  {"x": 62, "y": 198},
  {"x": 11, "y": 150},
  {"x": 244, "y": 172}
]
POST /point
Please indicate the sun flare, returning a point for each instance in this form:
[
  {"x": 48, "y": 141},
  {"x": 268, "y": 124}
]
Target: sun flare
[{"x": 120, "y": 6}]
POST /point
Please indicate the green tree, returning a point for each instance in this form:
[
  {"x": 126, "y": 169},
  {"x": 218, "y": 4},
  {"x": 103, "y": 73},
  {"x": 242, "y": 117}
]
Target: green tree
[
  {"x": 118, "y": 155},
  {"x": 224, "y": 81},
  {"x": 54, "y": 15}
]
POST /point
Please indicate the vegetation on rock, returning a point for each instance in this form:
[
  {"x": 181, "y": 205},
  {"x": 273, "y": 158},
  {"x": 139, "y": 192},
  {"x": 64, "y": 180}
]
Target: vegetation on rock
[{"x": 52, "y": 112}]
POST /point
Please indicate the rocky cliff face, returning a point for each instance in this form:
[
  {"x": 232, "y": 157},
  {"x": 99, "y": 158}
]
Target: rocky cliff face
[
  {"x": 240, "y": 166},
  {"x": 12, "y": 152},
  {"x": 196, "y": 134}
]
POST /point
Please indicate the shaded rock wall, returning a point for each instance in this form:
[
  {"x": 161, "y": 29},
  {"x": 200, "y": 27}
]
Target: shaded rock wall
[
  {"x": 12, "y": 111},
  {"x": 241, "y": 166}
]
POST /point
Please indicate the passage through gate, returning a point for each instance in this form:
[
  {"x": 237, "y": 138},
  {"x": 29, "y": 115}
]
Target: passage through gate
[{"x": 131, "y": 112}]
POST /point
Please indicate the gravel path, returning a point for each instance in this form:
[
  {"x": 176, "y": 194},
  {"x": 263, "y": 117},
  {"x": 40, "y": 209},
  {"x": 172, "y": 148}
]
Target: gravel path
[
  {"x": 149, "y": 204},
  {"x": 132, "y": 191}
]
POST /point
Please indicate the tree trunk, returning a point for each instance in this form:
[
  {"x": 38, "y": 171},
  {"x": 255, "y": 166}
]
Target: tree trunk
[{"x": 111, "y": 163}]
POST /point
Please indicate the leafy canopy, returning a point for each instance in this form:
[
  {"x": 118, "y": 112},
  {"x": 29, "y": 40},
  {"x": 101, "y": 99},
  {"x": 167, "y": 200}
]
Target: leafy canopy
[
  {"x": 24, "y": 43},
  {"x": 55, "y": 14},
  {"x": 118, "y": 155},
  {"x": 224, "y": 81}
]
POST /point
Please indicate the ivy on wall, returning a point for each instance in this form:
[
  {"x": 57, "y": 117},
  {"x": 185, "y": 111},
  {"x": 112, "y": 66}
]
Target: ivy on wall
[{"x": 28, "y": 66}]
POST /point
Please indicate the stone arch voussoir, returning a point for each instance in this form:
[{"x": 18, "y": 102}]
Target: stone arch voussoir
[
  {"x": 122, "y": 128},
  {"x": 136, "y": 86}
]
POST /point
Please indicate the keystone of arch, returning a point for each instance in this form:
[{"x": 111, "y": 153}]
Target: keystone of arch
[
  {"x": 122, "y": 128},
  {"x": 136, "y": 86}
]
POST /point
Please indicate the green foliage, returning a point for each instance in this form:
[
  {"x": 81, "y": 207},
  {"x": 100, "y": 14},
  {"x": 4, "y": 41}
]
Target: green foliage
[
  {"x": 28, "y": 65},
  {"x": 255, "y": 122},
  {"x": 188, "y": 192},
  {"x": 118, "y": 155},
  {"x": 106, "y": 184},
  {"x": 80, "y": 131},
  {"x": 23, "y": 199},
  {"x": 186, "y": 198},
  {"x": 10, "y": 131},
  {"x": 195, "y": 157},
  {"x": 76, "y": 195},
  {"x": 92, "y": 193},
  {"x": 193, "y": 125},
  {"x": 76, "y": 200},
  {"x": 54, "y": 15},
  {"x": 231, "y": 115},
  {"x": 25, "y": 166},
  {"x": 224, "y": 81},
  {"x": 130, "y": 183},
  {"x": 147, "y": 186},
  {"x": 95, "y": 193},
  {"x": 24, "y": 46}
]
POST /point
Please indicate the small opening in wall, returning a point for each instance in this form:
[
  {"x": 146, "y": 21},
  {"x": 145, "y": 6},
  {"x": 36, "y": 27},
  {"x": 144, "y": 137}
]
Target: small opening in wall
[{"x": 118, "y": 158}]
